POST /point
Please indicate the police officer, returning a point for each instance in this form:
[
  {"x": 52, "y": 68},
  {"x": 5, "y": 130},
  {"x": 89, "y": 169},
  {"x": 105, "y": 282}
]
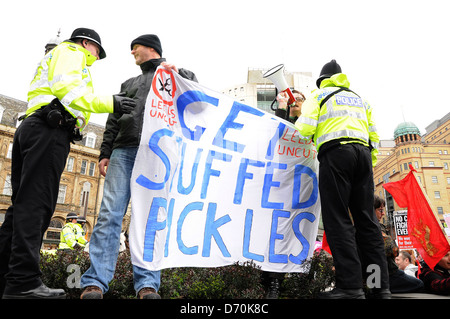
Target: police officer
[
  {"x": 341, "y": 124},
  {"x": 80, "y": 234},
  {"x": 69, "y": 233},
  {"x": 60, "y": 100}
]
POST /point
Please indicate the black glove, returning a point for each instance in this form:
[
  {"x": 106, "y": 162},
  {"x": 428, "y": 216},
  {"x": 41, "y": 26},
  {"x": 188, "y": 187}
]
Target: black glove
[{"x": 123, "y": 104}]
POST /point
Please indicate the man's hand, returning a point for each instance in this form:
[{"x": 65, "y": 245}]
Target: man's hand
[
  {"x": 169, "y": 66},
  {"x": 102, "y": 166},
  {"x": 282, "y": 99},
  {"x": 123, "y": 104}
]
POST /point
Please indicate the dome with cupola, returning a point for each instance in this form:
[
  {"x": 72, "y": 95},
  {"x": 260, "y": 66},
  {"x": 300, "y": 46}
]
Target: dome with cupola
[
  {"x": 406, "y": 128},
  {"x": 406, "y": 131}
]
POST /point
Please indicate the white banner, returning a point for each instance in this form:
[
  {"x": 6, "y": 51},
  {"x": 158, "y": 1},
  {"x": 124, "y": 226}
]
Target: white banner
[{"x": 217, "y": 182}]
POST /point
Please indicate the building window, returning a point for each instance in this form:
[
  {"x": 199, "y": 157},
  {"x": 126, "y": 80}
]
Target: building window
[
  {"x": 84, "y": 198},
  {"x": 440, "y": 210},
  {"x": 91, "y": 169},
  {"x": 431, "y": 163},
  {"x": 54, "y": 230},
  {"x": 7, "y": 189},
  {"x": 62, "y": 194},
  {"x": 83, "y": 167},
  {"x": 55, "y": 224},
  {"x": 437, "y": 194},
  {"x": 70, "y": 163},
  {"x": 10, "y": 147},
  {"x": 416, "y": 164},
  {"x": 448, "y": 180},
  {"x": 90, "y": 140},
  {"x": 445, "y": 165},
  {"x": 434, "y": 179}
]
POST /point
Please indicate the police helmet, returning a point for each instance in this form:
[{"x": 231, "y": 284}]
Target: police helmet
[{"x": 89, "y": 34}]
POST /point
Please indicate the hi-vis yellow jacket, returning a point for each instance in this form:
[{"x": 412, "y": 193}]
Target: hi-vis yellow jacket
[
  {"x": 63, "y": 73},
  {"x": 344, "y": 115},
  {"x": 79, "y": 234},
  {"x": 68, "y": 236}
]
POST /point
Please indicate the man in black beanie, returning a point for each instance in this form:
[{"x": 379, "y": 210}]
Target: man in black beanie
[
  {"x": 118, "y": 152},
  {"x": 148, "y": 40}
]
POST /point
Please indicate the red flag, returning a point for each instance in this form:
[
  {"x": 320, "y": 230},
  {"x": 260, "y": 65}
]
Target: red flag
[
  {"x": 424, "y": 228},
  {"x": 325, "y": 245}
]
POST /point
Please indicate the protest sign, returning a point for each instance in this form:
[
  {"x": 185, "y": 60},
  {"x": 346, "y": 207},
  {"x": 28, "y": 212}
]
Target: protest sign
[
  {"x": 217, "y": 182},
  {"x": 401, "y": 229}
]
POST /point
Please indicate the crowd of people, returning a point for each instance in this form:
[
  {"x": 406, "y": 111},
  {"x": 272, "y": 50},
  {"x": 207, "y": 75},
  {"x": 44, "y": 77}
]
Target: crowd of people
[{"x": 61, "y": 99}]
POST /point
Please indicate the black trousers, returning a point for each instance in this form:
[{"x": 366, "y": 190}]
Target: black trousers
[
  {"x": 346, "y": 184},
  {"x": 38, "y": 159}
]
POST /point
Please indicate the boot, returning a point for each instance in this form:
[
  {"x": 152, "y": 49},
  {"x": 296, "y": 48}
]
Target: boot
[{"x": 339, "y": 293}]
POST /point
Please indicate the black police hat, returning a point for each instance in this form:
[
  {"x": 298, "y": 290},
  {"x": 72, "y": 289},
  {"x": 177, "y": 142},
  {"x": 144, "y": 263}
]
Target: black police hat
[
  {"x": 91, "y": 35},
  {"x": 328, "y": 70}
]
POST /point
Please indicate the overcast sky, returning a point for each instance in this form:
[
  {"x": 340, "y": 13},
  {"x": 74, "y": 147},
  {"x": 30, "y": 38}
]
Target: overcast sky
[{"x": 395, "y": 53}]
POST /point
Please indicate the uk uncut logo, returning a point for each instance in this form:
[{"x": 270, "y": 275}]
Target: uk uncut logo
[{"x": 164, "y": 88}]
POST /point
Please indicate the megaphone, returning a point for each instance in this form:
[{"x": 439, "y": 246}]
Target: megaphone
[{"x": 276, "y": 75}]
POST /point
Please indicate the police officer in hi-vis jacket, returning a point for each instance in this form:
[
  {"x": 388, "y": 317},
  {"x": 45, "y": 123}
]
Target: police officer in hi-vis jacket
[{"x": 60, "y": 100}]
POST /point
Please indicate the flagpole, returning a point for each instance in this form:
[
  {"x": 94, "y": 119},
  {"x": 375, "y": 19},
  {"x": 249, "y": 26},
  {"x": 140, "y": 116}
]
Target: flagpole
[{"x": 436, "y": 216}]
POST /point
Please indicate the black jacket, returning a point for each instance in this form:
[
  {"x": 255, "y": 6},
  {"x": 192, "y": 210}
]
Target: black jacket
[{"x": 125, "y": 130}]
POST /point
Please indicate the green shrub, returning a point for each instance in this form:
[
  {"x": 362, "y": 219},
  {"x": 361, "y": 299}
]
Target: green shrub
[
  {"x": 237, "y": 281},
  {"x": 307, "y": 285}
]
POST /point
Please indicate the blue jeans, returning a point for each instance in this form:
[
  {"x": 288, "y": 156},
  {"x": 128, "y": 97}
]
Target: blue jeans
[{"x": 105, "y": 239}]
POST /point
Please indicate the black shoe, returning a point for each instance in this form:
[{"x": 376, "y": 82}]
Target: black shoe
[
  {"x": 41, "y": 292},
  {"x": 378, "y": 293},
  {"x": 339, "y": 293},
  {"x": 274, "y": 289}
]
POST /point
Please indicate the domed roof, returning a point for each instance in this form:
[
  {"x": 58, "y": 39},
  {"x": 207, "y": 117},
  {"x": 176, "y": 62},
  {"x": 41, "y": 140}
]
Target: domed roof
[
  {"x": 53, "y": 42},
  {"x": 406, "y": 128}
]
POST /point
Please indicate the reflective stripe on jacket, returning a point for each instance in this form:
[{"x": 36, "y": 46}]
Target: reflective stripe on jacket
[
  {"x": 63, "y": 73},
  {"x": 67, "y": 237},
  {"x": 344, "y": 116}
]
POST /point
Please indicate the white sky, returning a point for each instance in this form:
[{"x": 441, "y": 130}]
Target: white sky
[{"x": 396, "y": 53}]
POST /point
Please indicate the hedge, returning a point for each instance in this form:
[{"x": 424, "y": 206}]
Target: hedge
[{"x": 63, "y": 268}]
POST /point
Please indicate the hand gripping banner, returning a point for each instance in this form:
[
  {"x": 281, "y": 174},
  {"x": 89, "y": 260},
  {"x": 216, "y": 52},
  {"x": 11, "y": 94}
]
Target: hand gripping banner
[{"x": 217, "y": 182}]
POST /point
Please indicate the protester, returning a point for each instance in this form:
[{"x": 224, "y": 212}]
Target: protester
[
  {"x": 399, "y": 281},
  {"x": 60, "y": 101},
  {"x": 437, "y": 280},
  {"x": 341, "y": 125},
  {"x": 295, "y": 110},
  {"x": 404, "y": 262},
  {"x": 117, "y": 155}
]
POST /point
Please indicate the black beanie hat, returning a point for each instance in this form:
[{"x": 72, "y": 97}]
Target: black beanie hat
[
  {"x": 328, "y": 70},
  {"x": 148, "y": 40}
]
